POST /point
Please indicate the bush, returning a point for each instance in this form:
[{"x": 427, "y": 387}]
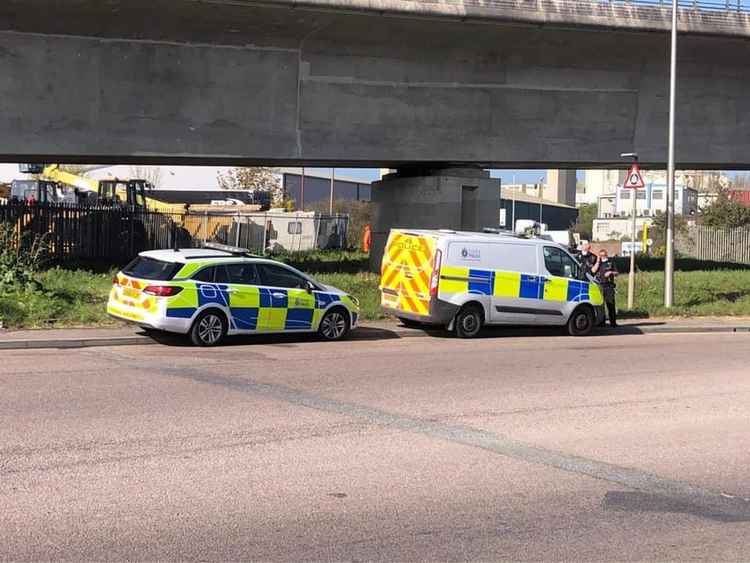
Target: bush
[
  {"x": 656, "y": 264},
  {"x": 724, "y": 213},
  {"x": 326, "y": 261},
  {"x": 21, "y": 256}
]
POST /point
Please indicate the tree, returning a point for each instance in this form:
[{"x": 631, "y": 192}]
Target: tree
[
  {"x": 658, "y": 232},
  {"x": 252, "y": 178},
  {"x": 77, "y": 169},
  {"x": 725, "y": 213},
  {"x": 360, "y": 214},
  {"x": 741, "y": 181},
  {"x": 585, "y": 223},
  {"x": 152, "y": 174}
]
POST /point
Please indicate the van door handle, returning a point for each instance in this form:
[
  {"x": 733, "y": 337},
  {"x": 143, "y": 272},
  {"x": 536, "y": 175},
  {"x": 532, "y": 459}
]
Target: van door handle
[{"x": 278, "y": 295}]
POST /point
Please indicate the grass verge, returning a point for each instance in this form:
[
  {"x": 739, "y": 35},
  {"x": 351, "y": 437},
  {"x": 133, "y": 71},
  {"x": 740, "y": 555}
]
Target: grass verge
[
  {"x": 64, "y": 298},
  {"x": 697, "y": 294},
  {"x": 78, "y": 297}
]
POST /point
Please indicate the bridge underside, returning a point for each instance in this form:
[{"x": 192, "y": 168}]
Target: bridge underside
[{"x": 226, "y": 83}]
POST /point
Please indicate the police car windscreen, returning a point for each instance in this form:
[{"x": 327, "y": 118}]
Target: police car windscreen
[{"x": 151, "y": 269}]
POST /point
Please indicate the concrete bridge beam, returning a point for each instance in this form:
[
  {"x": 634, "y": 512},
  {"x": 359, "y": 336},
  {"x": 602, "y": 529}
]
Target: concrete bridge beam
[{"x": 249, "y": 84}]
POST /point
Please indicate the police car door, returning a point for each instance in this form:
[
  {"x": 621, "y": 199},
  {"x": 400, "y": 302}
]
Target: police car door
[
  {"x": 286, "y": 304},
  {"x": 562, "y": 289},
  {"x": 243, "y": 283}
]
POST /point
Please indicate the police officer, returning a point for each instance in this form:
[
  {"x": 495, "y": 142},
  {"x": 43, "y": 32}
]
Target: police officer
[
  {"x": 605, "y": 273},
  {"x": 587, "y": 259}
]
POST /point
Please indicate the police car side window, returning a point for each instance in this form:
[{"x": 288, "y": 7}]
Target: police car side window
[
  {"x": 242, "y": 273},
  {"x": 558, "y": 263},
  {"x": 205, "y": 275},
  {"x": 276, "y": 276},
  {"x": 220, "y": 275}
]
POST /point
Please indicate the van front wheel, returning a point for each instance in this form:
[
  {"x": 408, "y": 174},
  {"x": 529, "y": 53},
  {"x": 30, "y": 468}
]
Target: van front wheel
[
  {"x": 581, "y": 322},
  {"x": 469, "y": 321}
]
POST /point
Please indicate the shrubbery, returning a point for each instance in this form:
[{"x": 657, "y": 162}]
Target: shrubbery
[{"x": 21, "y": 256}]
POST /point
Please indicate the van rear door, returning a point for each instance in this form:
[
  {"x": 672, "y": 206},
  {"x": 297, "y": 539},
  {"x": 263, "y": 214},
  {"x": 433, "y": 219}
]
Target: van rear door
[{"x": 406, "y": 271}]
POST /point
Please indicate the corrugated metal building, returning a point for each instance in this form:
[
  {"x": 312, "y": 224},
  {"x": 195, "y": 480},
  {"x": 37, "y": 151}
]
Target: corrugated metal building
[{"x": 318, "y": 188}]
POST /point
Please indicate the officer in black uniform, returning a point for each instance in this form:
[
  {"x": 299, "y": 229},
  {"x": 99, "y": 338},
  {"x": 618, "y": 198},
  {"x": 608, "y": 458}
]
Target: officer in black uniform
[
  {"x": 587, "y": 260},
  {"x": 605, "y": 273}
]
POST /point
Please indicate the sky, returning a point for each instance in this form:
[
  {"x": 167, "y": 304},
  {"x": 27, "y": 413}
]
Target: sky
[
  {"x": 198, "y": 178},
  {"x": 205, "y": 177}
]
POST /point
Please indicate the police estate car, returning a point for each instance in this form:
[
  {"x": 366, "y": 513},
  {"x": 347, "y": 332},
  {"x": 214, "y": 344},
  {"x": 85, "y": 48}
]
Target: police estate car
[{"x": 209, "y": 293}]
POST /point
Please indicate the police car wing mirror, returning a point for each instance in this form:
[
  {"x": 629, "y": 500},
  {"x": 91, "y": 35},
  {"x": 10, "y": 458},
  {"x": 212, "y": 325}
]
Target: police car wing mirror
[{"x": 309, "y": 286}]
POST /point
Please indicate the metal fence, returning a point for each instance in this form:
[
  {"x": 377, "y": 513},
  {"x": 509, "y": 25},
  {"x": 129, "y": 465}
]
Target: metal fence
[
  {"x": 717, "y": 245},
  {"x": 117, "y": 234}
]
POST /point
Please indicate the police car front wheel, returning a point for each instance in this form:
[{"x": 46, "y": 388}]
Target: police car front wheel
[
  {"x": 209, "y": 329},
  {"x": 335, "y": 325}
]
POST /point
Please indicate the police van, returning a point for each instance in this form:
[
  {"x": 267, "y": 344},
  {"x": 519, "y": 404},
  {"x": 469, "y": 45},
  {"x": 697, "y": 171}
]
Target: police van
[{"x": 465, "y": 280}]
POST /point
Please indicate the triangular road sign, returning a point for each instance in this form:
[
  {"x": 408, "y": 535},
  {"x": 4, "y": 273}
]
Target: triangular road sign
[{"x": 634, "y": 179}]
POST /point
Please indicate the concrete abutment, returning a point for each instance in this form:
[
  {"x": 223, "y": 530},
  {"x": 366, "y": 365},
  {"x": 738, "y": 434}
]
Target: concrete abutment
[{"x": 433, "y": 198}]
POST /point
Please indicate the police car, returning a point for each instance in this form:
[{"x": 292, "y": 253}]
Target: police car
[{"x": 209, "y": 293}]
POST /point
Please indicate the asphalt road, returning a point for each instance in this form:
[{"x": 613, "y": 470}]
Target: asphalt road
[{"x": 611, "y": 447}]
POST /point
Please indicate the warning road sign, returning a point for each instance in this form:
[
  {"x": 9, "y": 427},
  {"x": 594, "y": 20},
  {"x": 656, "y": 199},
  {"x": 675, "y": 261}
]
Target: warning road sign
[{"x": 634, "y": 179}]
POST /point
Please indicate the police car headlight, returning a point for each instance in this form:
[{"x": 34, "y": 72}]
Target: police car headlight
[{"x": 354, "y": 300}]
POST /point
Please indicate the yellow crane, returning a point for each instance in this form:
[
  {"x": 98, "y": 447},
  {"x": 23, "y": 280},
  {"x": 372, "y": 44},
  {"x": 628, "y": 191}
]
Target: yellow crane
[{"x": 128, "y": 192}]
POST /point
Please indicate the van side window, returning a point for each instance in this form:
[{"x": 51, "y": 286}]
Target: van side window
[{"x": 559, "y": 263}]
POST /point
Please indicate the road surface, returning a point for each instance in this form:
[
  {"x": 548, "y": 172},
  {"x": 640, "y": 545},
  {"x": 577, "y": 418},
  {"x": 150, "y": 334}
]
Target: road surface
[{"x": 532, "y": 447}]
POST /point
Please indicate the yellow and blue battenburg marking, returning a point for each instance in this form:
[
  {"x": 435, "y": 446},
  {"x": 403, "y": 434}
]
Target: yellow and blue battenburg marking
[
  {"x": 513, "y": 284},
  {"x": 254, "y": 308}
]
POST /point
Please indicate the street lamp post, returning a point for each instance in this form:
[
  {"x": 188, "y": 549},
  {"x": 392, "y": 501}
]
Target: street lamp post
[
  {"x": 631, "y": 274},
  {"x": 669, "y": 258}
]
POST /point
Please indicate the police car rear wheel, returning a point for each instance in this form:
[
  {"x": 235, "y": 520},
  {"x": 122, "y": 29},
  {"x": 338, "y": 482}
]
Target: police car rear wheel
[
  {"x": 468, "y": 322},
  {"x": 581, "y": 322},
  {"x": 208, "y": 329},
  {"x": 335, "y": 325}
]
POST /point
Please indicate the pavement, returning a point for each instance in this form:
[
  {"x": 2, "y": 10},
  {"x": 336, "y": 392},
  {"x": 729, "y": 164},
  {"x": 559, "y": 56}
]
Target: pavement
[
  {"x": 535, "y": 447},
  {"x": 128, "y": 335}
]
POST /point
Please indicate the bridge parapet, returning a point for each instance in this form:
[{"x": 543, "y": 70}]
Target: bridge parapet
[{"x": 709, "y": 17}]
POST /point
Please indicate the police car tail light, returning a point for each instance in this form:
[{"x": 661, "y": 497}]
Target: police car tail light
[
  {"x": 115, "y": 281},
  {"x": 435, "y": 278},
  {"x": 162, "y": 290}
]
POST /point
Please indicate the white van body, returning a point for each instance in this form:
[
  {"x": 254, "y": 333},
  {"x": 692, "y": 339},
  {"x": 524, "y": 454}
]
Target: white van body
[{"x": 429, "y": 276}]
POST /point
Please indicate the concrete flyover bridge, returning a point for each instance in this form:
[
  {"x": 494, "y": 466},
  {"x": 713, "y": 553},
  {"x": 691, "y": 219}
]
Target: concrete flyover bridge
[
  {"x": 427, "y": 87},
  {"x": 504, "y": 83}
]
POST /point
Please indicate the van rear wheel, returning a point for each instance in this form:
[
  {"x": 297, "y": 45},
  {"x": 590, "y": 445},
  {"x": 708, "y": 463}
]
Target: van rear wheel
[
  {"x": 581, "y": 322},
  {"x": 469, "y": 321}
]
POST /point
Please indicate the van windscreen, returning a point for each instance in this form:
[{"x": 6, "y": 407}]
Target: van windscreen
[{"x": 151, "y": 269}]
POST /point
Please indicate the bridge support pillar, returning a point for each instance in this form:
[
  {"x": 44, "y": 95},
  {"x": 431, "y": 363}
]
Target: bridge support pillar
[{"x": 428, "y": 198}]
